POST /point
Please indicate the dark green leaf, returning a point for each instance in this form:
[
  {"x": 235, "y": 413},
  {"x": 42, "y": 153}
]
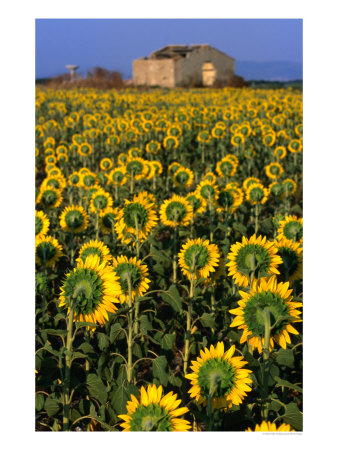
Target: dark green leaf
[
  {"x": 159, "y": 369},
  {"x": 287, "y": 384},
  {"x": 39, "y": 401},
  {"x": 168, "y": 341},
  {"x": 175, "y": 381},
  {"x": 115, "y": 330},
  {"x": 86, "y": 348},
  {"x": 52, "y": 406},
  {"x": 293, "y": 416},
  {"x": 145, "y": 325},
  {"x": 285, "y": 358},
  {"x": 55, "y": 332},
  {"x": 96, "y": 387},
  {"x": 207, "y": 320},
  {"x": 173, "y": 298},
  {"x": 120, "y": 396},
  {"x": 103, "y": 341}
]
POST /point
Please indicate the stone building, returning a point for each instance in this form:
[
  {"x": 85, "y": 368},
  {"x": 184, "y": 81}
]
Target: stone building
[{"x": 181, "y": 65}]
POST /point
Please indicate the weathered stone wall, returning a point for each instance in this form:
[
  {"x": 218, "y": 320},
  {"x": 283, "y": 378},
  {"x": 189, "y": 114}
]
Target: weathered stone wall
[
  {"x": 154, "y": 72},
  {"x": 189, "y": 69}
]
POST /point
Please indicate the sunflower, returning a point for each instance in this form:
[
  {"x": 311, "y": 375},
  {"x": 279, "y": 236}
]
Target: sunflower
[
  {"x": 295, "y": 146},
  {"x": 47, "y": 251},
  {"x": 123, "y": 158},
  {"x": 254, "y": 255},
  {"x": 74, "y": 179},
  {"x": 266, "y": 295},
  {"x": 226, "y": 167},
  {"x": 183, "y": 178},
  {"x": 218, "y": 132},
  {"x": 268, "y": 426},
  {"x": 257, "y": 194},
  {"x": 229, "y": 199},
  {"x": 276, "y": 190},
  {"x": 87, "y": 179},
  {"x": 274, "y": 171},
  {"x": 94, "y": 247},
  {"x": 292, "y": 255},
  {"x": 158, "y": 167},
  {"x": 248, "y": 181},
  {"x": 291, "y": 228},
  {"x": 106, "y": 164},
  {"x": 134, "y": 270},
  {"x": 199, "y": 205},
  {"x": 203, "y": 137},
  {"x": 41, "y": 224},
  {"x": 209, "y": 176},
  {"x": 74, "y": 219},
  {"x": 136, "y": 167},
  {"x": 91, "y": 289},
  {"x": 153, "y": 147},
  {"x": 85, "y": 149},
  {"x": 290, "y": 187},
  {"x": 108, "y": 217},
  {"x": 280, "y": 152},
  {"x": 152, "y": 412},
  {"x": 100, "y": 201},
  {"x": 198, "y": 258},
  {"x": 173, "y": 167},
  {"x": 208, "y": 190},
  {"x": 269, "y": 138},
  {"x": 136, "y": 216},
  {"x": 118, "y": 176},
  {"x": 170, "y": 142},
  {"x": 176, "y": 211},
  {"x": 237, "y": 139},
  {"x": 219, "y": 374},
  {"x": 49, "y": 197}
]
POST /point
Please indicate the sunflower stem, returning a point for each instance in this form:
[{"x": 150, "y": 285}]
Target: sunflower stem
[
  {"x": 137, "y": 305},
  {"x": 266, "y": 355},
  {"x": 132, "y": 183},
  {"x": 175, "y": 255},
  {"x": 130, "y": 331},
  {"x": 97, "y": 225},
  {"x": 256, "y": 218},
  {"x": 68, "y": 363},
  {"x": 189, "y": 314},
  {"x": 213, "y": 305}
]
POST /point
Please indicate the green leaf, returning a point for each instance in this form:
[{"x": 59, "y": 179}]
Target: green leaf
[
  {"x": 168, "y": 341},
  {"x": 175, "y": 381},
  {"x": 103, "y": 341},
  {"x": 86, "y": 324},
  {"x": 96, "y": 388},
  {"x": 145, "y": 325},
  {"x": 86, "y": 348},
  {"x": 55, "y": 332},
  {"x": 52, "y": 406},
  {"x": 173, "y": 298},
  {"x": 39, "y": 401},
  {"x": 159, "y": 366},
  {"x": 287, "y": 384},
  {"x": 207, "y": 320},
  {"x": 120, "y": 395},
  {"x": 285, "y": 358},
  {"x": 293, "y": 416},
  {"x": 115, "y": 330},
  {"x": 159, "y": 256}
]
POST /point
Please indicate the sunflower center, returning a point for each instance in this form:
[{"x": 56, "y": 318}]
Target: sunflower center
[
  {"x": 196, "y": 257},
  {"x": 91, "y": 251},
  {"x": 134, "y": 167},
  {"x": 150, "y": 418},
  {"x": 74, "y": 219},
  {"x": 118, "y": 176},
  {"x": 38, "y": 225},
  {"x": 274, "y": 170},
  {"x": 84, "y": 289},
  {"x": 135, "y": 212},
  {"x": 89, "y": 180},
  {"x": 253, "y": 258},
  {"x": 127, "y": 271},
  {"x": 288, "y": 186},
  {"x": 277, "y": 190},
  {"x": 182, "y": 177},
  {"x": 45, "y": 251},
  {"x": 254, "y": 312},
  {"x": 74, "y": 179},
  {"x": 53, "y": 183},
  {"x": 216, "y": 376},
  {"x": 176, "y": 211},
  {"x": 49, "y": 198},
  {"x": 256, "y": 194},
  {"x": 226, "y": 167},
  {"x": 293, "y": 230},
  {"x": 100, "y": 202},
  {"x": 207, "y": 191}
]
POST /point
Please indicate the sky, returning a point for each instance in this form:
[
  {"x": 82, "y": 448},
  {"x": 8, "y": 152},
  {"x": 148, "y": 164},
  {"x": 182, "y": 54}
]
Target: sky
[{"x": 115, "y": 43}]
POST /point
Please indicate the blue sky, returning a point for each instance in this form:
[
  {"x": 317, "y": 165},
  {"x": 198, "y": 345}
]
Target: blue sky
[{"x": 115, "y": 43}]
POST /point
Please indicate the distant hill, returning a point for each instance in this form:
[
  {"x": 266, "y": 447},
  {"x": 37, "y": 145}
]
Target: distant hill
[{"x": 269, "y": 70}]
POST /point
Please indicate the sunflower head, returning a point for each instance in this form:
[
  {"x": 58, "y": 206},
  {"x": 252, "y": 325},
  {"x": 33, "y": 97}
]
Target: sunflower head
[
  {"x": 47, "y": 251},
  {"x": 183, "y": 177},
  {"x": 131, "y": 275},
  {"x": 219, "y": 374},
  {"x": 49, "y": 197},
  {"x": 154, "y": 412},
  {"x": 197, "y": 202},
  {"x": 94, "y": 247},
  {"x": 91, "y": 290},
  {"x": 257, "y": 194},
  {"x": 100, "y": 200},
  {"x": 274, "y": 171},
  {"x": 118, "y": 176},
  {"x": 198, "y": 258},
  {"x": 74, "y": 219},
  {"x": 290, "y": 187},
  {"x": 41, "y": 224},
  {"x": 292, "y": 255},
  {"x": 176, "y": 211},
  {"x": 108, "y": 217},
  {"x": 252, "y": 258},
  {"x": 291, "y": 228},
  {"x": 208, "y": 190},
  {"x": 266, "y": 296}
]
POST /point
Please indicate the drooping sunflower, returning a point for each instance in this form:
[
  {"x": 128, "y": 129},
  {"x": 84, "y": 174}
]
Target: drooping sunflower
[
  {"x": 276, "y": 190},
  {"x": 47, "y": 251},
  {"x": 41, "y": 224},
  {"x": 274, "y": 171},
  {"x": 57, "y": 182},
  {"x": 176, "y": 211},
  {"x": 94, "y": 247},
  {"x": 290, "y": 187},
  {"x": 198, "y": 258},
  {"x": 133, "y": 270},
  {"x": 254, "y": 255},
  {"x": 295, "y": 146},
  {"x": 229, "y": 199},
  {"x": 226, "y": 167},
  {"x": 248, "y": 181},
  {"x": 158, "y": 167},
  {"x": 100, "y": 200},
  {"x": 291, "y": 228},
  {"x": 118, "y": 176},
  {"x": 199, "y": 205},
  {"x": 210, "y": 176},
  {"x": 266, "y": 295},
  {"x": 237, "y": 139},
  {"x": 85, "y": 149},
  {"x": 268, "y": 426},
  {"x": 74, "y": 219},
  {"x": 108, "y": 217},
  {"x": 257, "y": 194},
  {"x": 136, "y": 216},
  {"x": 173, "y": 167},
  {"x": 153, "y": 147},
  {"x": 221, "y": 374},
  {"x": 292, "y": 255},
  {"x": 154, "y": 412},
  {"x": 49, "y": 197},
  {"x": 170, "y": 142},
  {"x": 280, "y": 152},
  {"x": 136, "y": 167},
  {"x": 183, "y": 177},
  {"x": 88, "y": 179},
  {"x": 106, "y": 164},
  {"x": 208, "y": 190},
  {"x": 74, "y": 179},
  {"x": 91, "y": 289}
]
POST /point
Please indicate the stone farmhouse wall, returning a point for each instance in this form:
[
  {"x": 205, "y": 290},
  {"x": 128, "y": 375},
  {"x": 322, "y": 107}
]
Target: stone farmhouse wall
[{"x": 154, "y": 72}]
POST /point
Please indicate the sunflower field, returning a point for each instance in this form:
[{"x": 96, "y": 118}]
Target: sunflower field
[{"x": 168, "y": 249}]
